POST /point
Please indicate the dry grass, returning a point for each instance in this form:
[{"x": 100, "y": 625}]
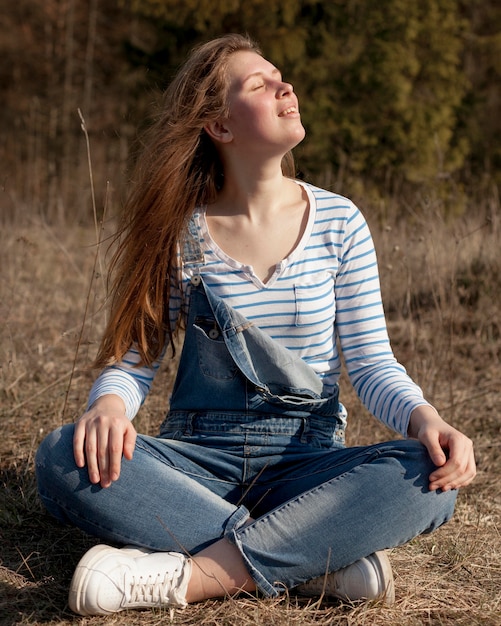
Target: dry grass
[{"x": 442, "y": 289}]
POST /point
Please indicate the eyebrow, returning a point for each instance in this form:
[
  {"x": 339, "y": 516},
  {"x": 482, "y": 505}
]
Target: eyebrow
[{"x": 275, "y": 70}]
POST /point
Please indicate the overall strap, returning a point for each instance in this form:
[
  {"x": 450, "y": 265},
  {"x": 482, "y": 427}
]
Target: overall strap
[
  {"x": 192, "y": 254},
  {"x": 268, "y": 365}
]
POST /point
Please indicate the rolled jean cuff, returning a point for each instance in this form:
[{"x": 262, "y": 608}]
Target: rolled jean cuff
[
  {"x": 234, "y": 536},
  {"x": 236, "y": 520}
]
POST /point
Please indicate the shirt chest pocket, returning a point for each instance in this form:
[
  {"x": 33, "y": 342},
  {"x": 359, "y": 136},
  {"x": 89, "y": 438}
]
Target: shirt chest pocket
[{"x": 315, "y": 303}]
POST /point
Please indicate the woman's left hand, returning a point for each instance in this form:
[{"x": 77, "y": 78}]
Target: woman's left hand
[{"x": 449, "y": 449}]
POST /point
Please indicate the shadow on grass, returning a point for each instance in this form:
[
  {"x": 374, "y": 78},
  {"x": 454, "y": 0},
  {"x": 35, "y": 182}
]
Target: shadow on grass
[{"x": 37, "y": 556}]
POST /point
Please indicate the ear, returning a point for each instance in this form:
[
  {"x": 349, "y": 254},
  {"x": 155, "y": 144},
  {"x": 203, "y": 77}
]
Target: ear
[{"x": 219, "y": 131}]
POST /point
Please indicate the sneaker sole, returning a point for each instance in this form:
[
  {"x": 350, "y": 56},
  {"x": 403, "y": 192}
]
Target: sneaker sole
[
  {"x": 78, "y": 586},
  {"x": 382, "y": 564}
]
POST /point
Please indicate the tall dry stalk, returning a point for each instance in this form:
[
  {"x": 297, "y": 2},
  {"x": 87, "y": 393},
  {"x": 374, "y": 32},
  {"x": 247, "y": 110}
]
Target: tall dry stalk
[{"x": 98, "y": 225}]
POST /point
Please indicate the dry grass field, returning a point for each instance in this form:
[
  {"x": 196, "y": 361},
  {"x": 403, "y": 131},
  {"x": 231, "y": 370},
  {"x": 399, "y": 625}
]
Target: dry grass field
[{"x": 442, "y": 289}]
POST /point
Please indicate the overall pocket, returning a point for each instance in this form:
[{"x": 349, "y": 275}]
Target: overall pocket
[{"x": 213, "y": 357}]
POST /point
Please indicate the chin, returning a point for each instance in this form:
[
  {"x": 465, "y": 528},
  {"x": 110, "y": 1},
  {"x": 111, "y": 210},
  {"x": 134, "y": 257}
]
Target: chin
[{"x": 300, "y": 135}]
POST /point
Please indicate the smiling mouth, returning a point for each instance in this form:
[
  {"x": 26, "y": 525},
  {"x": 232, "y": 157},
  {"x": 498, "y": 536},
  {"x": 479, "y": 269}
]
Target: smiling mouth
[{"x": 288, "y": 111}]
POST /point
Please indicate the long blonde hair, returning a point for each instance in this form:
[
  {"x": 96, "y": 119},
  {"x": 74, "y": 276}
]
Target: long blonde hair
[{"x": 179, "y": 170}]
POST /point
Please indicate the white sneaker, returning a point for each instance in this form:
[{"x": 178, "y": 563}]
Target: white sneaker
[
  {"x": 369, "y": 578},
  {"x": 108, "y": 580}
]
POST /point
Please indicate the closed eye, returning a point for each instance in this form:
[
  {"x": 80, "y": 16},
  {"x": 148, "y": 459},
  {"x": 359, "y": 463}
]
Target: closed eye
[{"x": 263, "y": 79}]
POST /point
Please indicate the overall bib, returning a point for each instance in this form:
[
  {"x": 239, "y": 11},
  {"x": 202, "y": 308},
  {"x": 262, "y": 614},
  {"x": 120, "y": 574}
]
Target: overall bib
[{"x": 229, "y": 365}]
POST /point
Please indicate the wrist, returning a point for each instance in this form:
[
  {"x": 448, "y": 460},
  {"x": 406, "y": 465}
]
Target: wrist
[
  {"x": 109, "y": 402},
  {"x": 421, "y": 415}
]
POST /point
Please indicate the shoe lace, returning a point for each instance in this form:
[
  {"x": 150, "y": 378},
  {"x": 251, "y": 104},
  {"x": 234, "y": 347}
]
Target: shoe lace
[{"x": 151, "y": 590}]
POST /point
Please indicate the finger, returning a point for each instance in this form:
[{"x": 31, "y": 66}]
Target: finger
[
  {"x": 115, "y": 450},
  {"x": 454, "y": 474},
  {"x": 103, "y": 436},
  {"x": 472, "y": 472},
  {"x": 435, "y": 450},
  {"x": 129, "y": 442},
  {"x": 91, "y": 456},
  {"x": 442, "y": 482},
  {"x": 78, "y": 444},
  {"x": 447, "y": 476}
]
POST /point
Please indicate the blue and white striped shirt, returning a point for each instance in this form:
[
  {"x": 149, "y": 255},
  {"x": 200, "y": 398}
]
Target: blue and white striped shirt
[{"x": 323, "y": 296}]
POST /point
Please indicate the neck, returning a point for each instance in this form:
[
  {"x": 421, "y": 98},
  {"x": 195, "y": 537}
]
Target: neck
[{"x": 252, "y": 191}]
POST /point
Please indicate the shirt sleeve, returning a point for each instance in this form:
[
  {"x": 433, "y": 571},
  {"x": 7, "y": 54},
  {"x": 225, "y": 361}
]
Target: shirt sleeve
[
  {"x": 126, "y": 380},
  {"x": 380, "y": 381}
]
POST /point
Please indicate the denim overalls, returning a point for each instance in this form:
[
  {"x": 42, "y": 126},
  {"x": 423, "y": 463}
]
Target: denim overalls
[
  {"x": 229, "y": 365},
  {"x": 239, "y": 368},
  {"x": 249, "y": 435}
]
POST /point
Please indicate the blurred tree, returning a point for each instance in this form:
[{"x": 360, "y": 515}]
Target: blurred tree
[
  {"x": 380, "y": 80},
  {"x": 394, "y": 94},
  {"x": 480, "y": 118},
  {"x": 57, "y": 56},
  {"x": 275, "y": 24},
  {"x": 384, "y": 82}
]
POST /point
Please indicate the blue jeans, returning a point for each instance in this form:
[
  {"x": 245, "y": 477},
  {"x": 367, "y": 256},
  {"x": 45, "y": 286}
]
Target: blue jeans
[{"x": 245, "y": 437}]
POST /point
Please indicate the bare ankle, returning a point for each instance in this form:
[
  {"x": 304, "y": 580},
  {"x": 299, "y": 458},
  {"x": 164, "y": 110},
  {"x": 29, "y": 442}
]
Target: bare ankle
[{"x": 217, "y": 571}]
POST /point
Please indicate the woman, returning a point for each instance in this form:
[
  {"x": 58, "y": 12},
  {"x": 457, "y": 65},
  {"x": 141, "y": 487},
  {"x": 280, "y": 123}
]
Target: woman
[{"x": 249, "y": 485}]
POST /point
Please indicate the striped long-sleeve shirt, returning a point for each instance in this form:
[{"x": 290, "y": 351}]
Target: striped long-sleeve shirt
[{"x": 324, "y": 296}]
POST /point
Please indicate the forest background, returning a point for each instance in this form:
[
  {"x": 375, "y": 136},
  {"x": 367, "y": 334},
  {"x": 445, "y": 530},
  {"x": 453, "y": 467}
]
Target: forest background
[
  {"x": 401, "y": 103},
  {"x": 400, "y": 99}
]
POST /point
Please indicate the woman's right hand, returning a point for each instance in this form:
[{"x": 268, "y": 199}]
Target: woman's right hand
[{"x": 102, "y": 436}]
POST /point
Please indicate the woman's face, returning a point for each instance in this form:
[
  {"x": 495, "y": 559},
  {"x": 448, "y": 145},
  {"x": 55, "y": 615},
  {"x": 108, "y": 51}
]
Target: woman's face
[{"x": 263, "y": 110}]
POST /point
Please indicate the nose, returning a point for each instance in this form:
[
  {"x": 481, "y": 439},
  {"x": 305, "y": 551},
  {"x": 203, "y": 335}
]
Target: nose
[{"x": 285, "y": 89}]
